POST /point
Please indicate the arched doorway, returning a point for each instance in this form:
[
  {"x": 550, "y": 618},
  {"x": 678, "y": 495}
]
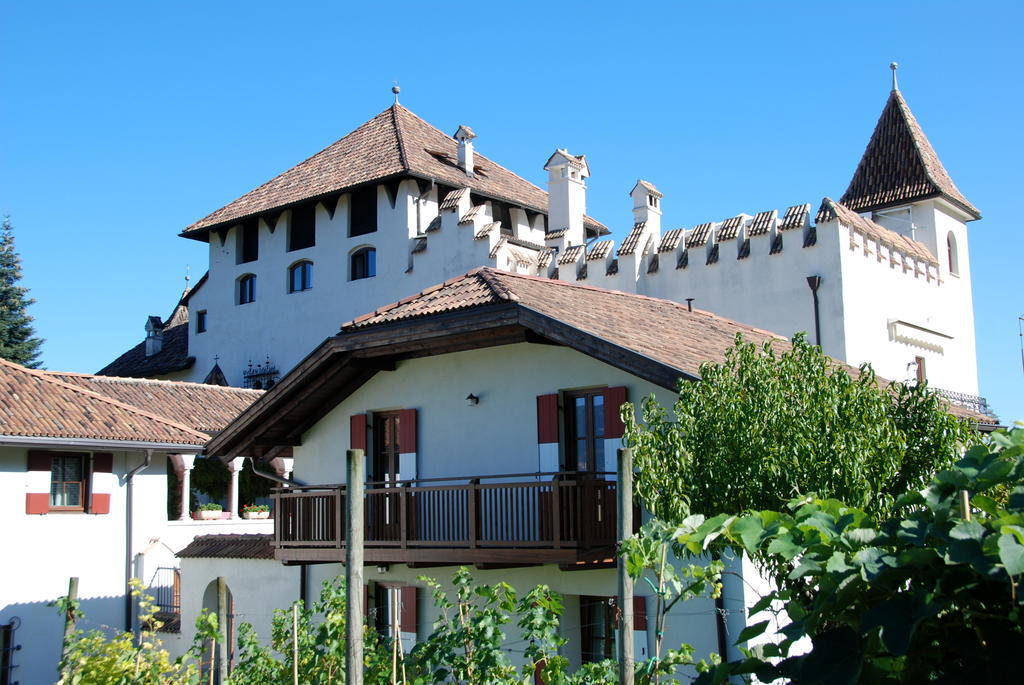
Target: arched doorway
[{"x": 210, "y": 659}]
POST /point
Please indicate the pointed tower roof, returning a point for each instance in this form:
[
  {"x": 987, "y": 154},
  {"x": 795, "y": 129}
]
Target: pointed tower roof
[
  {"x": 900, "y": 165},
  {"x": 394, "y": 144}
]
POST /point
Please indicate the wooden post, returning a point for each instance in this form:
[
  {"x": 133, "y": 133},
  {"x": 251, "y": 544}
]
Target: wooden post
[
  {"x": 624, "y": 491},
  {"x": 354, "y": 566},
  {"x": 295, "y": 643},
  {"x": 222, "y": 623},
  {"x": 965, "y": 505},
  {"x": 69, "y": 625}
]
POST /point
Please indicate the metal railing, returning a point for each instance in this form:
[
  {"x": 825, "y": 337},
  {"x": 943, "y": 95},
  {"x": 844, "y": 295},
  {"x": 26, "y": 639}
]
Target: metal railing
[
  {"x": 549, "y": 511},
  {"x": 962, "y": 399}
]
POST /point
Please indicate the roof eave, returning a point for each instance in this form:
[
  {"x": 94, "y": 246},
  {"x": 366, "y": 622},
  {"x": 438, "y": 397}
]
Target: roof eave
[{"x": 97, "y": 443}]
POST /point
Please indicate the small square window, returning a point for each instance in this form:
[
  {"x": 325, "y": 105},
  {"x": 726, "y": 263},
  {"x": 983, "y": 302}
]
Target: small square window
[
  {"x": 201, "y": 321},
  {"x": 67, "y": 482}
]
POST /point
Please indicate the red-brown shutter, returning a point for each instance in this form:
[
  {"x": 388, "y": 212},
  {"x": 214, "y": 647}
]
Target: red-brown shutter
[
  {"x": 102, "y": 462},
  {"x": 407, "y": 431},
  {"x": 614, "y": 398},
  {"x": 357, "y": 432},
  {"x": 38, "y": 502},
  {"x": 547, "y": 418},
  {"x": 407, "y": 618},
  {"x": 639, "y": 613}
]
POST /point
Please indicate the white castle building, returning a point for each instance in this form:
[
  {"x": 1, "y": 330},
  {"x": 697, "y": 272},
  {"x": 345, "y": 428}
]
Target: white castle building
[{"x": 882, "y": 275}]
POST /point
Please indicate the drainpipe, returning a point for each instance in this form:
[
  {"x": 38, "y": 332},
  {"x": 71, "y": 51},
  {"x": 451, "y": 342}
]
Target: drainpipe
[
  {"x": 304, "y": 568},
  {"x": 128, "y": 479},
  {"x": 274, "y": 477},
  {"x": 815, "y": 282}
]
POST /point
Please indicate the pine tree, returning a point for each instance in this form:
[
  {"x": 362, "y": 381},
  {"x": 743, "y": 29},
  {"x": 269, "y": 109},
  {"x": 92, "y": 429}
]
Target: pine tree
[{"x": 17, "y": 336}]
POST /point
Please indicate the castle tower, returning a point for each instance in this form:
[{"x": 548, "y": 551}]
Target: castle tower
[{"x": 901, "y": 184}]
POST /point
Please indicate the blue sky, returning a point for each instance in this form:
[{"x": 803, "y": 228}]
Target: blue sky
[{"x": 124, "y": 122}]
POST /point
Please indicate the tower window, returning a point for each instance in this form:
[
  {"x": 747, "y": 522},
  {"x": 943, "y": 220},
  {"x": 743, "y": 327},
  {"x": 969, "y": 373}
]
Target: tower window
[
  {"x": 300, "y": 276},
  {"x": 362, "y": 211},
  {"x": 246, "y": 289},
  {"x": 363, "y": 264},
  {"x": 201, "y": 321},
  {"x": 302, "y": 227},
  {"x": 951, "y": 254},
  {"x": 247, "y": 247}
]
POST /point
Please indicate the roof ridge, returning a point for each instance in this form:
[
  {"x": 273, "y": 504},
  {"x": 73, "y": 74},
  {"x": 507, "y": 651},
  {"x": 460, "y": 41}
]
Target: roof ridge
[
  {"x": 44, "y": 376},
  {"x": 620, "y": 293},
  {"x": 403, "y": 158},
  {"x": 152, "y": 381}
]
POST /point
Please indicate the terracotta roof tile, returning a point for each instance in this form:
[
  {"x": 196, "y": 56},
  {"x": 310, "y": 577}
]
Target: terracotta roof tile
[
  {"x": 698, "y": 235},
  {"x": 497, "y": 247},
  {"x": 600, "y": 250},
  {"x": 670, "y": 241},
  {"x": 512, "y": 240},
  {"x": 632, "y": 241},
  {"x": 796, "y": 216},
  {"x": 900, "y": 165},
  {"x": 730, "y": 228},
  {"x": 451, "y": 200},
  {"x": 206, "y": 408},
  {"x": 394, "y": 143},
  {"x": 434, "y": 225},
  {"x": 762, "y": 222},
  {"x": 470, "y": 215},
  {"x": 649, "y": 187},
  {"x": 419, "y": 246},
  {"x": 486, "y": 230},
  {"x": 869, "y": 229},
  {"x": 173, "y": 355},
  {"x": 555, "y": 234},
  {"x": 571, "y": 255},
  {"x": 235, "y": 546},
  {"x": 544, "y": 258},
  {"x": 40, "y": 404}
]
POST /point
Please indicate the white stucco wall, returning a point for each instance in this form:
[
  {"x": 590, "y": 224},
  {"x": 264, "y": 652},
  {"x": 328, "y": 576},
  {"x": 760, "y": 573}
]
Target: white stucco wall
[{"x": 44, "y": 551}]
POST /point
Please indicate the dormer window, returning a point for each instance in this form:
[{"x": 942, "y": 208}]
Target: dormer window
[
  {"x": 246, "y": 289},
  {"x": 300, "y": 276},
  {"x": 363, "y": 264}
]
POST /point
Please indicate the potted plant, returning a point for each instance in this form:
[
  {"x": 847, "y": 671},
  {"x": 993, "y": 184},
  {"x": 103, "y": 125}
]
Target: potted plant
[
  {"x": 209, "y": 511},
  {"x": 255, "y": 511}
]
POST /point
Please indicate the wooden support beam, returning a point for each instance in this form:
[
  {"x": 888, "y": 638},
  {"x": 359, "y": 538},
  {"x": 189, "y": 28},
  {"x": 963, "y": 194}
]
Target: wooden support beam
[
  {"x": 354, "y": 566},
  {"x": 624, "y": 494}
]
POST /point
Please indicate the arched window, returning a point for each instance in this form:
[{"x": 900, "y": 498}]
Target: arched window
[
  {"x": 951, "y": 253},
  {"x": 300, "y": 276},
  {"x": 363, "y": 263},
  {"x": 246, "y": 289}
]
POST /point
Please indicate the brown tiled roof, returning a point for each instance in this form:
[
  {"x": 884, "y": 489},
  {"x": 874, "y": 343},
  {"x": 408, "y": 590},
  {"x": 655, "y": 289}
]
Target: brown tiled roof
[
  {"x": 600, "y": 250},
  {"x": 762, "y": 222},
  {"x": 497, "y": 247},
  {"x": 571, "y": 255},
  {"x": 796, "y": 216},
  {"x": 632, "y": 240},
  {"x": 236, "y": 546},
  {"x": 900, "y": 165},
  {"x": 670, "y": 241},
  {"x": 524, "y": 243},
  {"x": 470, "y": 215},
  {"x": 173, "y": 355},
  {"x": 869, "y": 229},
  {"x": 557, "y": 233},
  {"x": 206, "y": 408},
  {"x": 544, "y": 257},
  {"x": 40, "y": 404},
  {"x": 730, "y": 228},
  {"x": 451, "y": 200},
  {"x": 662, "y": 330},
  {"x": 394, "y": 143},
  {"x": 698, "y": 235},
  {"x": 486, "y": 229},
  {"x": 434, "y": 225}
]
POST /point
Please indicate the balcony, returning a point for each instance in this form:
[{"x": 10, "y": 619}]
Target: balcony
[{"x": 521, "y": 519}]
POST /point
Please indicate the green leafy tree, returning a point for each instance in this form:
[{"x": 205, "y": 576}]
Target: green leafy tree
[
  {"x": 931, "y": 593},
  {"x": 18, "y": 342},
  {"x": 763, "y": 427}
]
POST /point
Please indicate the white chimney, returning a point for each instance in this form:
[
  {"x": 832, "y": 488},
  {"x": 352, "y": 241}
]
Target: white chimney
[
  {"x": 465, "y": 137},
  {"x": 647, "y": 206},
  {"x": 567, "y": 195},
  {"x": 154, "y": 335}
]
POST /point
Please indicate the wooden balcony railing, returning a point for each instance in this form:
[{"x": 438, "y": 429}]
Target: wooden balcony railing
[{"x": 521, "y": 518}]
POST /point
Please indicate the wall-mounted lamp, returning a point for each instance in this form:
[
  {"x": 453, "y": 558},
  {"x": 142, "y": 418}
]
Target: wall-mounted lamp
[
  {"x": 472, "y": 400},
  {"x": 383, "y": 568}
]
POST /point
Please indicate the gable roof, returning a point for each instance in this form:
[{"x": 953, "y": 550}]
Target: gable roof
[
  {"x": 205, "y": 408},
  {"x": 393, "y": 144},
  {"x": 900, "y": 165},
  {"x": 38, "y": 404}
]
